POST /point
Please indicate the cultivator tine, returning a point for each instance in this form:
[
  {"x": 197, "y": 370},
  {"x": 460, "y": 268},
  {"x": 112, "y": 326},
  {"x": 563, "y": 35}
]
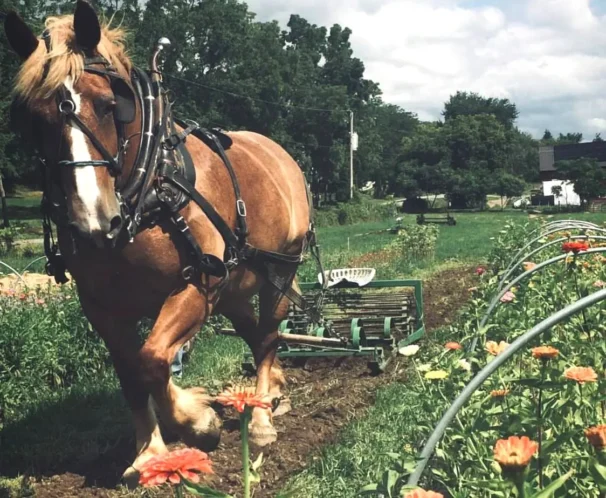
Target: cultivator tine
[{"x": 365, "y": 321}]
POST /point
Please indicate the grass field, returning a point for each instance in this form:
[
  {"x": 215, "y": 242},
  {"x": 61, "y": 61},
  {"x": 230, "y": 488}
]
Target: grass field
[{"x": 89, "y": 417}]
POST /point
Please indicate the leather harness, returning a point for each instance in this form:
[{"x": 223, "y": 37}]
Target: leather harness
[{"x": 162, "y": 183}]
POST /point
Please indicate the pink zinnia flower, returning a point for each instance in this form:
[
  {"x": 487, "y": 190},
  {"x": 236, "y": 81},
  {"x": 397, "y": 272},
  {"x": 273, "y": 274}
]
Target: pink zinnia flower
[{"x": 508, "y": 297}]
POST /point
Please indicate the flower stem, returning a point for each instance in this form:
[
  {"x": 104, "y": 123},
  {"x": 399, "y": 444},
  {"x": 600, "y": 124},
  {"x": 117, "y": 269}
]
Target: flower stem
[
  {"x": 244, "y": 419},
  {"x": 520, "y": 488},
  {"x": 414, "y": 363},
  {"x": 179, "y": 491},
  {"x": 540, "y": 419}
]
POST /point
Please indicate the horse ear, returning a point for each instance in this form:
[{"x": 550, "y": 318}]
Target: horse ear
[
  {"x": 86, "y": 26},
  {"x": 20, "y": 37}
]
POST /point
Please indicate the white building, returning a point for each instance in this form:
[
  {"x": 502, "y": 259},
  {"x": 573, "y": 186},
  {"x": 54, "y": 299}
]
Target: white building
[{"x": 568, "y": 197}]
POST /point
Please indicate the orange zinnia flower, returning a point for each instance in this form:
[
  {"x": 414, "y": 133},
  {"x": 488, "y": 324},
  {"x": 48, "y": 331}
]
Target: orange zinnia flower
[
  {"x": 575, "y": 247},
  {"x": 499, "y": 393},
  {"x": 581, "y": 374},
  {"x": 421, "y": 493},
  {"x": 545, "y": 352},
  {"x": 495, "y": 349},
  {"x": 453, "y": 346},
  {"x": 167, "y": 467},
  {"x": 597, "y": 436},
  {"x": 529, "y": 265},
  {"x": 514, "y": 453},
  {"x": 241, "y": 397}
]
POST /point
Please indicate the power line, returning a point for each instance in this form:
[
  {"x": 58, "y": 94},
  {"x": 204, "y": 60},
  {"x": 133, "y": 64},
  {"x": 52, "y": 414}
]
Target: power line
[{"x": 233, "y": 94}]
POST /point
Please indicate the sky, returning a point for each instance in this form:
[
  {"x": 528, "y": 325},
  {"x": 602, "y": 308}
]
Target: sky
[{"x": 546, "y": 56}]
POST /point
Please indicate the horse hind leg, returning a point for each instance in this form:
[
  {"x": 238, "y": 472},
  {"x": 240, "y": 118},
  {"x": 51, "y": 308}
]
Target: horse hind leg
[{"x": 273, "y": 308}]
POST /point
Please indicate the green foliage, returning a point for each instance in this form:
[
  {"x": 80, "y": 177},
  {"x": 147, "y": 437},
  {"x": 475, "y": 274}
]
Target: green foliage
[
  {"x": 352, "y": 213},
  {"x": 46, "y": 345},
  {"x": 416, "y": 242},
  {"x": 539, "y": 400},
  {"x": 472, "y": 104}
]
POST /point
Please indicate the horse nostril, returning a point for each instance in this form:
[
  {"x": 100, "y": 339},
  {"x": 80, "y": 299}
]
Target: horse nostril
[{"x": 114, "y": 226}]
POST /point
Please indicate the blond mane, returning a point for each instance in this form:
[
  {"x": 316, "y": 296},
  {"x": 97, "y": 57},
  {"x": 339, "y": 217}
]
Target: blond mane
[{"x": 66, "y": 59}]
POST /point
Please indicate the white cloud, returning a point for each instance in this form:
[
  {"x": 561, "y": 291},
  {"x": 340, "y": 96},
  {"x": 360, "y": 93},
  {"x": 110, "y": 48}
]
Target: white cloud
[{"x": 545, "y": 55}]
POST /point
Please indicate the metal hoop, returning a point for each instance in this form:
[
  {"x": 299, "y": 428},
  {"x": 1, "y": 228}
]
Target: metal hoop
[{"x": 63, "y": 110}]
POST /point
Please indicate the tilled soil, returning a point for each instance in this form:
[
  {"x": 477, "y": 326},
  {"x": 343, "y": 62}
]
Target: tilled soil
[{"x": 325, "y": 396}]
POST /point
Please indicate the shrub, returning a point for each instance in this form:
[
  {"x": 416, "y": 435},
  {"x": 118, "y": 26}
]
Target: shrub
[
  {"x": 416, "y": 242},
  {"x": 46, "y": 344},
  {"x": 358, "y": 212}
]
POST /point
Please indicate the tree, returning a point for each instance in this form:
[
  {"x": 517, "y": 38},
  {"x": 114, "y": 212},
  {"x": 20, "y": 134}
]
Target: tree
[
  {"x": 473, "y": 104},
  {"x": 598, "y": 138},
  {"x": 507, "y": 185},
  {"x": 569, "y": 138},
  {"x": 476, "y": 139},
  {"x": 588, "y": 177},
  {"x": 547, "y": 138}
]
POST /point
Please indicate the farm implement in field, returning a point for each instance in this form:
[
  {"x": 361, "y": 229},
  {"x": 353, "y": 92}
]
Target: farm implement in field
[
  {"x": 358, "y": 317},
  {"x": 436, "y": 218}
]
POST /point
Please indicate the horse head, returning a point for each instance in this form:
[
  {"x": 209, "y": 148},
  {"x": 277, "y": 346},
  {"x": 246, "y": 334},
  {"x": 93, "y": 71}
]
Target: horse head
[{"x": 75, "y": 103}]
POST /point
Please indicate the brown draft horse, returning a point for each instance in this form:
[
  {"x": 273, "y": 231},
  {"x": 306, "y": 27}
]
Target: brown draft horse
[{"x": 120, "y": 286}]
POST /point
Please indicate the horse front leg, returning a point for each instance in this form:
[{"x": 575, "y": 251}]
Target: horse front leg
[
  {"x": 187, "y": 411},
  {"x": 120, "y": 337}
]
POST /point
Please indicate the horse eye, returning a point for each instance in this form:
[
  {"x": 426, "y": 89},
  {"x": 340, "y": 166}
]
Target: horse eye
[{"x": 104, "y": 106}]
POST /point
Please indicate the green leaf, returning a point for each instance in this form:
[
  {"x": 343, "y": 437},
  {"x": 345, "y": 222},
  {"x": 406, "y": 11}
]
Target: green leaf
[
  {"x": 200, "y": 490},
  {"x": 598, "y": 473},
  {"x": 369, "y": 490},
  {"x": 553, "y": 487},
  {"x": 389, "y": 481}
]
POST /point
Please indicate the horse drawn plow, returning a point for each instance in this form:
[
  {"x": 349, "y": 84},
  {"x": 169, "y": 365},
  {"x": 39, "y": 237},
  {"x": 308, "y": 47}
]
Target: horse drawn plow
[{"x": 358, "y": 317}]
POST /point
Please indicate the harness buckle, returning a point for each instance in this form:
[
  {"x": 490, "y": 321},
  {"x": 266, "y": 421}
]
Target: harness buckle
[
  {"x": 171, "y": 142},
  {"x": 241, "y": 208}
]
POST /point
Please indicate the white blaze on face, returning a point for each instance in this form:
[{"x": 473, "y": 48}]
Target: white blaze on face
[{"x": 87, "y": 188}]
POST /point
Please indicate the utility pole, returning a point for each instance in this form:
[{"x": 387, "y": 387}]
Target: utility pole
[{"x": 351, "y": 151}]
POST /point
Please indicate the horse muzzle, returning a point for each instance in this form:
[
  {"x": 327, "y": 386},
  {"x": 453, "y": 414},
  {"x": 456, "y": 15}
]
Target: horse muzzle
[{"x": 104, "y": 234}]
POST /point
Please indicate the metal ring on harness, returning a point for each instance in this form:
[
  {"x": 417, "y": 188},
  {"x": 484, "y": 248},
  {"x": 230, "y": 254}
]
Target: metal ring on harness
[{"x": 62, "y": 109}]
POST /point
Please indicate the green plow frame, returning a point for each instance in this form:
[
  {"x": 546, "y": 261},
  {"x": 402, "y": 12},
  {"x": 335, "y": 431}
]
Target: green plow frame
[{"x": 356, "y": 345}]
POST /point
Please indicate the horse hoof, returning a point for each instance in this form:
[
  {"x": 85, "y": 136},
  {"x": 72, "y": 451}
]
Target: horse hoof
[
  {"x": 130, "y": 478},
  {"x": 205, "y": 436},
  {"x": 283, "y": 407},
  {"x": 263, "y": 435},
  {"x": 203, "y": 441}
]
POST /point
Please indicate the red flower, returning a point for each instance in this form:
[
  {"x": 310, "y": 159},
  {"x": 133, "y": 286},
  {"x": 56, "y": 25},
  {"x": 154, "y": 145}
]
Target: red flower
[
  {"x": 241, "y": 397},
  {"x": 480, "y": 270},
  {"x": 453, "y": 346},
  {"x": 167, "y": 467},
  {"x": 575, "y": 247},
  {"x": 597, "y": 436}
]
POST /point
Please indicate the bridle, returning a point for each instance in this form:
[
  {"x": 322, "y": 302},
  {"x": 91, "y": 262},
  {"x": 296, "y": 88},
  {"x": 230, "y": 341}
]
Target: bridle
[{"x": 124, "y": 113}]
